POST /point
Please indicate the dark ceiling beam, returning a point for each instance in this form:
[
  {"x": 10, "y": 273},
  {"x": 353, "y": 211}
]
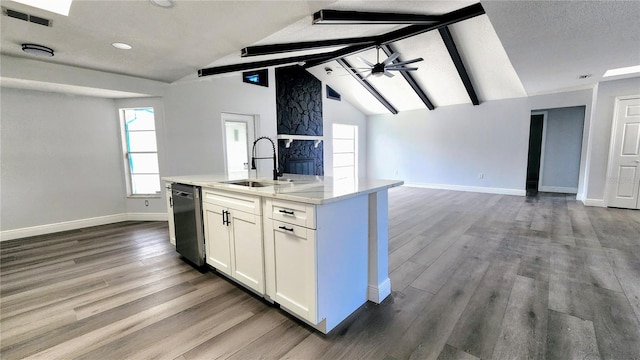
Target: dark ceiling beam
[
  {"x": 257, "y": 64},
  {"x": 406, "y": 32},
  {"x": 317, "y": 59},
  {"x": 410, "y": 80},
  {"x": 304, "y": 45},
  {"x": 334, "y": 17},
  {"x": 356, "y": 75},
  {"x": 457, "y": 60}
]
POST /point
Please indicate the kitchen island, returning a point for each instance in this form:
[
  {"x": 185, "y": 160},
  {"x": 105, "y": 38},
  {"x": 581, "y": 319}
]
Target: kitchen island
[{"x": 316, "y": 246}]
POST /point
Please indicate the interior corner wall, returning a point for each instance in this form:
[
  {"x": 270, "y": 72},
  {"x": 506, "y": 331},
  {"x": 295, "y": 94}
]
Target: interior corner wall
[
  {"x": 480, "y": 148},
  {"x": 600, "y": 130},
  {"x": 193, "y": 123},
  {"x": 60, "y": 159},
  {"x": 342, "y": 112}
]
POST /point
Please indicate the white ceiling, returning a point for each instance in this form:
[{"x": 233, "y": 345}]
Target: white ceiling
[{"x": 517, "y": 48}]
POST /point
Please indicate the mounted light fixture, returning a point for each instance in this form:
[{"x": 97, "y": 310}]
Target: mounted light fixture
[
  {"x": 37, "y": 50},
  {"x": 162, "y": 3}
]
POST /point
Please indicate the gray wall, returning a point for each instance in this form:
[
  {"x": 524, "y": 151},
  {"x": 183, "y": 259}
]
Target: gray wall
[
  {"x": 452, "y": 145},
  {"x": 60, "y": 158},
  {"x": 560, "y": 168}
]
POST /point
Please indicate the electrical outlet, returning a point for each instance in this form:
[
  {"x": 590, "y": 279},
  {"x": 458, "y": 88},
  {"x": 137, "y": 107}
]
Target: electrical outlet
[
  {"x": 481, "y": 176},
  {"x": 146, "y": 203}
]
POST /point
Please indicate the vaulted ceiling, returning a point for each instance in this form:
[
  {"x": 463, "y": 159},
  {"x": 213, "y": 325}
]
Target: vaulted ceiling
[{"x": 517, "y": 48}]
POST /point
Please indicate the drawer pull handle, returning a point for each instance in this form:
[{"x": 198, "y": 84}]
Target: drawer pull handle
[
  {"x": 286, "y": 228},
  {"x": 287, "y": 212}
]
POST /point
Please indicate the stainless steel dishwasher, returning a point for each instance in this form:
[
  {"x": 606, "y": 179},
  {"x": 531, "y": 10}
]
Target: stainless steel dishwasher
[{"x": 187, "y": 215}]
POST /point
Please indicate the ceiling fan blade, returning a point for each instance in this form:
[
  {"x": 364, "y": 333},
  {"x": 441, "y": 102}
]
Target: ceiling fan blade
[
  {"x": 369, "y": 74},
  {"x": 388, "y": 74},
  {"x": 400, "y": 69},
  {"x": 408, "y": 62},
  {"x": 365, "y": 61},
  {"x": 391, "y": 58}
]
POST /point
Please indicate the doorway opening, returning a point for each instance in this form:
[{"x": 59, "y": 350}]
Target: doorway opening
[
  {"x": 535, "y": 152},
  {"x": 555, "y": 150},
  {"x": 238, "y": 135}
]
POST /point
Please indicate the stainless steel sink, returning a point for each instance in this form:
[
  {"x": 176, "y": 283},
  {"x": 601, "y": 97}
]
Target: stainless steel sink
[
  {"x": 258, "y": 182},
  {"x": 248, "y": 183}
]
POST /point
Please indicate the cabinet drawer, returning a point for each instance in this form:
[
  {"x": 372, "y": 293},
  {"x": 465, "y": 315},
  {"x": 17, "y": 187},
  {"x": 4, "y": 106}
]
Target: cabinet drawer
[
  {"x": 292, "y": 212},
  {"x": 246, "y": 203}
]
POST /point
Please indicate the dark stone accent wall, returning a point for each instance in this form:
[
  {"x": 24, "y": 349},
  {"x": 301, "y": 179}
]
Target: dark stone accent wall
[
  {"x": 300, "y": 158},
  {"x": 299, "y": 112}
]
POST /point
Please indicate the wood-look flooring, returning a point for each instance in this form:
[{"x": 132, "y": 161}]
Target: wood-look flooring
[{"x": 474, "y": 276}]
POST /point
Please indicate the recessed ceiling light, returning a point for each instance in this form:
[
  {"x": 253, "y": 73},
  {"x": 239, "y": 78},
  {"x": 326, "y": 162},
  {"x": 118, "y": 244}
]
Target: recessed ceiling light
[
  {"x": 37, "y": 50},
  {"x": 622, "y": 71},
  {"x": 58, "y": 6},
  {"x": 121, "y": 46},
  {"x": 162, "y": 3}
]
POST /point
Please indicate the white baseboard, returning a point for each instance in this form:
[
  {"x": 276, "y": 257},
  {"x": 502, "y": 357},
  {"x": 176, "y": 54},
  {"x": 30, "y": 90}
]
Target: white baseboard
[
  {"x": 380, "y": 292},
  {"x": 478, "y": 189},
  {"x": 558, "y": 189},
  {"x": 594, "y": 202},
  {"x": 78, "y": 224}
]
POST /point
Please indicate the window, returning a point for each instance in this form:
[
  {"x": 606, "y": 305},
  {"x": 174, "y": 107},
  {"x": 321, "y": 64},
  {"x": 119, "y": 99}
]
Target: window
[
  {"x": 140, "y": 151},
  {"x": 345, "y": 145}
]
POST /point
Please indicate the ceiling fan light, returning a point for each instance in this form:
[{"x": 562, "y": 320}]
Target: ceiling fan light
[{"x": 37, "y": 50}]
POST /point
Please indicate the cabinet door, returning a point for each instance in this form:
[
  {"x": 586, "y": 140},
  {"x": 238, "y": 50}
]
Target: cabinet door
[
  {"x": 295, "y": 269},
  {"x": 217, "y": 238},
  {"x": 172, "y": 229},
  {"x": 248, "y": 255}
]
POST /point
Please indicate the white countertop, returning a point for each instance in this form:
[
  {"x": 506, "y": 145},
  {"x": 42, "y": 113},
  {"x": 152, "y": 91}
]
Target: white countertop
[{"x": 303, "y": 188}]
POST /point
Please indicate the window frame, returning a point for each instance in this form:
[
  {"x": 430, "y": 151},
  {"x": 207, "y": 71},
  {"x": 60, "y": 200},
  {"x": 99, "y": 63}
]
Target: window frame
[
  {"x": 126, "y": 153},
  {"x": 354, "y": 153}
]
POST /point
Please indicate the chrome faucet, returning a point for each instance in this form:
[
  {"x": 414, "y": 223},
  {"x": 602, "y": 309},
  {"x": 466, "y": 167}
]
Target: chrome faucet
[{"x": 275, "y": 160}]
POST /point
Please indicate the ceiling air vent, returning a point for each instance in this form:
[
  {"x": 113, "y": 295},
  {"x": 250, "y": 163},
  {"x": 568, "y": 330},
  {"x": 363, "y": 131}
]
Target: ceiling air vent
[{"x": 26, "y": 17}]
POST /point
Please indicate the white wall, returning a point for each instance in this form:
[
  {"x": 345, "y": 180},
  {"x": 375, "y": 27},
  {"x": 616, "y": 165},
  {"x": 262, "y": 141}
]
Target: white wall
[
  {"x": 60, "y": 159},
  {"x": 560, "y": 168},
  {"x": 450, "y": 146},
  {"x": 194, "y": 124},
  {"x": 342, "y": 112},
  {"x": 600, "y": 130}
]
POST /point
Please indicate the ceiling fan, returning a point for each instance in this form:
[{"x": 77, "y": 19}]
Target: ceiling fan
[{"x": 385, "y": 67}]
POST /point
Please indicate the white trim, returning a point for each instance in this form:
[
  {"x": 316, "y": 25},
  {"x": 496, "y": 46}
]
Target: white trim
[
  {"x": 559, "y": 189},
  {"x": 252, "y": 131},
  {"x": 379, "y": 293},
  {"x": 478, "y": 189},
  {"x": 594, "y": 202},
  {"x": 79, "y": 224},
  {"x": 609, "y": 185},
  {"x": 61, "y": 226}
]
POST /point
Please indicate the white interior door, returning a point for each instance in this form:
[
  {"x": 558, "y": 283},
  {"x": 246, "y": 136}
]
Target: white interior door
[
  {"x": 238, "y": 134},
  {"x": 624, "y": 160}
]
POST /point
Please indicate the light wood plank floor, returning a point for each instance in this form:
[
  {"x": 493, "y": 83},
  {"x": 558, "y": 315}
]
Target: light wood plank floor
[{"x": 474, "y": 276}]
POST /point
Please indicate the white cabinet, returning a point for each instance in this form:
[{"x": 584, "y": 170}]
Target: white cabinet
[
  {"x": 233, "y": 236},
  {"x": 292, "y": 275},
  {"x": 316, "y": 258},
  {"x": 172, "y": 228}
]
